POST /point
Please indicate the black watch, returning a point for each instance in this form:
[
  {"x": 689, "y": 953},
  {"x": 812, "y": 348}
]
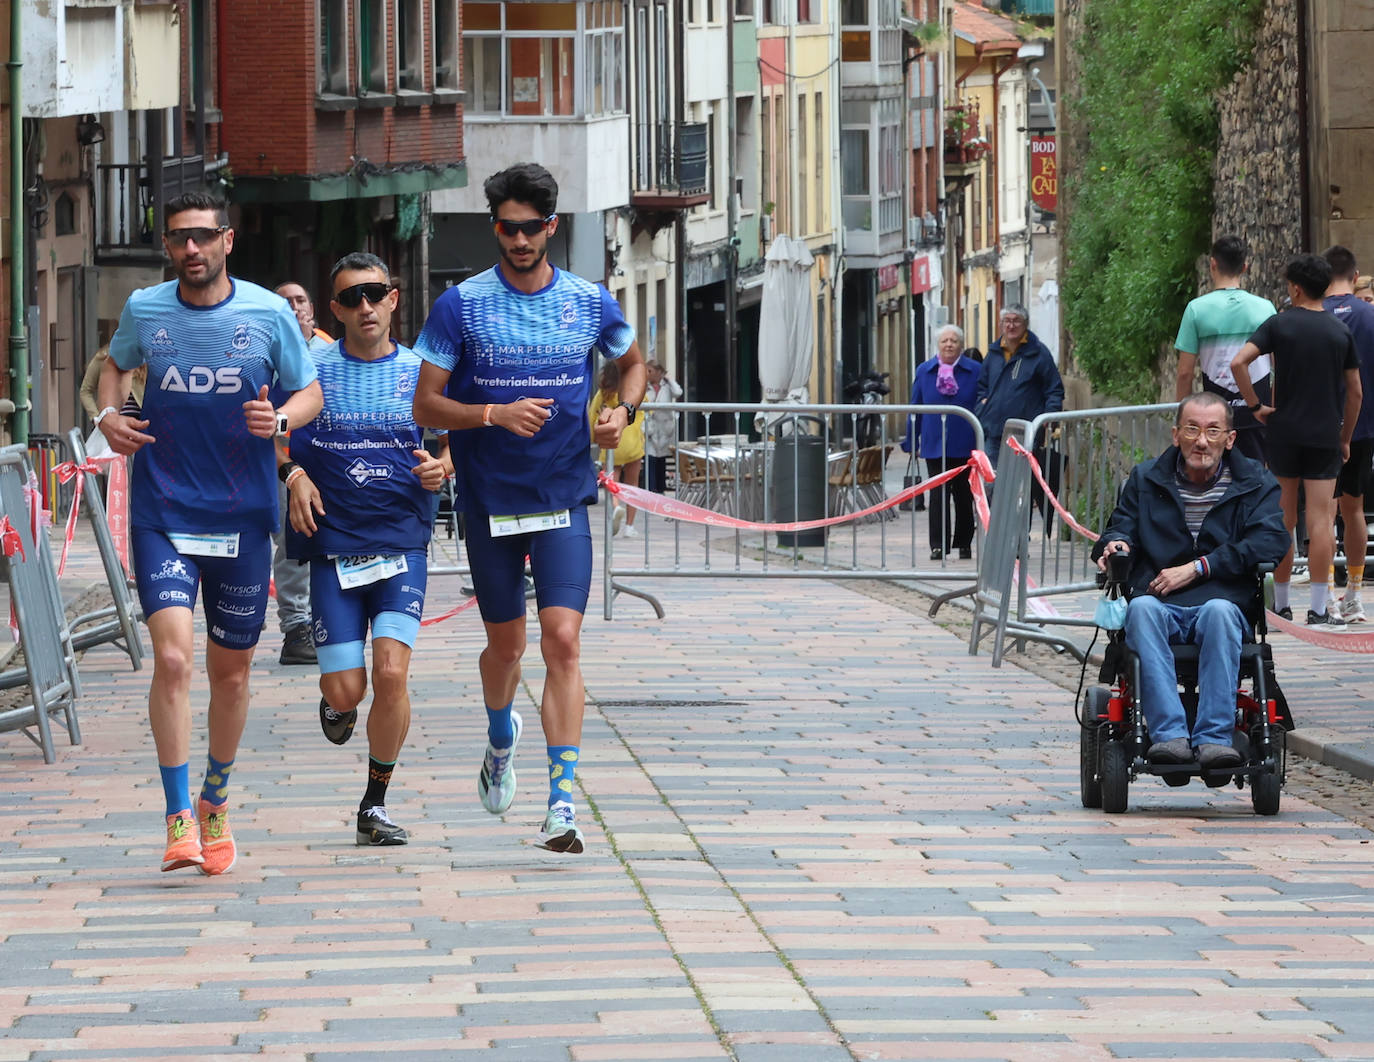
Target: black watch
[
  {"x": 634, "y": 412},
  {"x": 1256, "y": 407}
]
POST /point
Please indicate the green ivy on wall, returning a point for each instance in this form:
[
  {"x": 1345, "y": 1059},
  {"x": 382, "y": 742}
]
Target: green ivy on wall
[{"x": 1142, "y": 184}]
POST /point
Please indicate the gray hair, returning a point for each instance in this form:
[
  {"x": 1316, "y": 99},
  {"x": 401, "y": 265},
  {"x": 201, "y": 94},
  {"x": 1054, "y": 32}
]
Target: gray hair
[
  {"x": 1017, "y": 309},
  {"x": 940, "y": 332}
]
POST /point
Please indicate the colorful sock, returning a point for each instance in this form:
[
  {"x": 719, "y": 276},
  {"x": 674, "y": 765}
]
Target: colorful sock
[
  {"x": 1280, "y": 596},
  {"x": 1352, "y": 584},
  {"x": 562, "y": 770},
  {"x": 1317, "y": 599},
  {"x": 215, "y": 790},
  {"x": 176, "y": 787},
  {"x": 378, "y": 778},
  {"x": 500, "y": 729}
]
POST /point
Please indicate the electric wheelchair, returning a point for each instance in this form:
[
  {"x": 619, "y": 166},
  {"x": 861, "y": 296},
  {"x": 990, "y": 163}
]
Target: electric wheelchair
[{"x": 1112, "y": 731}]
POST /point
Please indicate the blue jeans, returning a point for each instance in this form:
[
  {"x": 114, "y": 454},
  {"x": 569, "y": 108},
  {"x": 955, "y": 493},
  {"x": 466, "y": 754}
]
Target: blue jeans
[{"x": 1218, "y": 627}]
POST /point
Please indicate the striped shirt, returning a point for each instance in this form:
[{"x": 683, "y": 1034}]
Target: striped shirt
[{"x": 1199, "y": 501}]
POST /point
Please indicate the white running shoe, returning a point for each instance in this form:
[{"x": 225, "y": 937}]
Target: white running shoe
[
  {"x": 617, "y": 519},
  {"x": 630, "y": 531},
  {"x": 1352, "y": 611},
  {"x": 560, "y": 833},
  {"x": 496, "y": 780}
]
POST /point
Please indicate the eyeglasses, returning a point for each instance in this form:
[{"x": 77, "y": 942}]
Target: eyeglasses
[
  {"x": 533, "y": 227},
  {"x": 352, "y": 297},
  {"x": 1190, "y": 432},
  {"x": 202, "y": 236}
]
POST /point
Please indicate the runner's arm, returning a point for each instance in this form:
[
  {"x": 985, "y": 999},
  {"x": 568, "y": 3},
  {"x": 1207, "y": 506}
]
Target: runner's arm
[{"x": 434, "y": 409}]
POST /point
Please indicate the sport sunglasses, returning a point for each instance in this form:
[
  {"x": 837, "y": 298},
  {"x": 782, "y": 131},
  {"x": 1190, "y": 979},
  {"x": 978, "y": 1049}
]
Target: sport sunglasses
[
  {"x": 533, "y": 227},
  {"x": 202, "y": 236},
  {"x": 352, "y": 297}
]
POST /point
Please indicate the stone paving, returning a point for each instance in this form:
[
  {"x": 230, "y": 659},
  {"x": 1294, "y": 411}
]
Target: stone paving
[{"x": 817, "y": 830}]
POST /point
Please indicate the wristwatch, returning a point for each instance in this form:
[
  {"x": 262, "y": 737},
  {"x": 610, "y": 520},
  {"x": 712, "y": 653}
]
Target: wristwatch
[
  {"x": 633, "y": 412},
  {"x": 283, "y": 423},
  {"x": 1255, "y": 407}
]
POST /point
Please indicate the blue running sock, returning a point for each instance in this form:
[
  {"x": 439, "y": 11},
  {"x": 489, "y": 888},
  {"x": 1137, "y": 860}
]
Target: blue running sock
[
  {"x": 500, "y": 729},
  {"x": 175, "y": 787},
  {"x": 216, "y": 788},
  {"x": 562, "y": 771}
]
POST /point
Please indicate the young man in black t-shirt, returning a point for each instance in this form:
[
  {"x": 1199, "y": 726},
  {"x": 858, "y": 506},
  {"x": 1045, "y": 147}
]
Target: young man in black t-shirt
[{"x": 1311, "y": 419}]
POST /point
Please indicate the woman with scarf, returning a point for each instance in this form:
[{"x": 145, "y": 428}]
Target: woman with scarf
[{"x": 948, "y": 379}]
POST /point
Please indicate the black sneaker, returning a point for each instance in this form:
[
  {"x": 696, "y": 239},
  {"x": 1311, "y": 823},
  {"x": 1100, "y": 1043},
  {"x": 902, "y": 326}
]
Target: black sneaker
[
  {"x": 1284, "y": 613},
  {"x": 1325, "y": 619},
  {"x": 297, "y": 646},
  {"x": 337, "y": 726},
  {"x": 376, "y": 828},
  {"x": 966, "y": 553}
]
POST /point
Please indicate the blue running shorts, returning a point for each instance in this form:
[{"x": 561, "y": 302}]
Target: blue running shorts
[
  {"x": 233, "y": 590},
  {"x": 392, "y": 607},
  {"x": 560, "y": 559}
]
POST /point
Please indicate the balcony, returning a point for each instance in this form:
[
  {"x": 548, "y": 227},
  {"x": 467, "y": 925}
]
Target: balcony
[
  {"x": 129, "y": 205},
  {"x": 671, "y": 166},
  {"x": 965, "y": 146}
]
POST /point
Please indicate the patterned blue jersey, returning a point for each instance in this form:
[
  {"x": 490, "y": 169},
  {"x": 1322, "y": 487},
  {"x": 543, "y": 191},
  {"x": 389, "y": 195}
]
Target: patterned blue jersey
[
  {"x": 359, "y": 453},
  {"x": 501, "y": 345},
  {"x": 206, "y": 472}
]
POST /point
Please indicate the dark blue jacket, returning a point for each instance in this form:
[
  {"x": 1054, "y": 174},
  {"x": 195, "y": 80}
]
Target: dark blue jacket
[
  {"x": 957, "y": 438},
  {"x": 1243, "y": 530},
  {"x": 1023, "y": 389}
]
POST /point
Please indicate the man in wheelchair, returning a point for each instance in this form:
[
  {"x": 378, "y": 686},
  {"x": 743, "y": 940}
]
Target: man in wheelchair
[{"x": 1196, "y": 522}]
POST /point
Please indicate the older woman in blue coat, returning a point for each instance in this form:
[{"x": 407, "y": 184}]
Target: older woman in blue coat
[{"x": 948, "y": 379}]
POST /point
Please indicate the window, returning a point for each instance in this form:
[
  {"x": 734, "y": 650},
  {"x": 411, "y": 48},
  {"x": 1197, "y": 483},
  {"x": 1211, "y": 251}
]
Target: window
[
  {"x": 332, "y": 75},
  {"x": 854, "y": 13},
  {"x": 445, "y": 44},
  {"x": 604, "y": 41},
  {"x": 808, "y": 11},
  {"x": 890, "y": 159},
  {"x": 645, "y": 129},
  {"x": 804, "y": 195},
  {"x": 410, "y": 45},
  {"x": 372, "y": 45},
  {"x": 204, "y": 79},
  {"x": 854, "y": 162},
  {"x": 766, "y": 152}
]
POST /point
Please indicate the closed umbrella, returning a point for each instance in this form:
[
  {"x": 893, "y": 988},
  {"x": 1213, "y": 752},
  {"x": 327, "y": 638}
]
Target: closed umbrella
[{"x": 785, "y": 333}]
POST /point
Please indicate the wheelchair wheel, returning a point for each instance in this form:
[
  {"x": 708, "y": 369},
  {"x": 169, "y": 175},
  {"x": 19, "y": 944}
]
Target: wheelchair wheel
[
  {"x": 1264, "y": 788},
  {"x": 1116, "y": 777},
  {"x": 1089, "y": 746}
]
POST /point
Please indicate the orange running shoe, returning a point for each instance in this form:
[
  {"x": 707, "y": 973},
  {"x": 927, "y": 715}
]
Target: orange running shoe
[
  {"x": 183, "y": 842},
  {"x": 216, "y": 839}
]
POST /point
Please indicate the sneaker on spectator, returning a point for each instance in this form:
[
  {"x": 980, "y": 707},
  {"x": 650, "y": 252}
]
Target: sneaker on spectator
[
  {"x": 630, "y": 531},
  {"x": 183, "y": 842},
  {"x": 216, "y": 839},
  {"x": 1352, "y": 610},
  {"x": 297, "y": 647},
  {"x": 1324, "y": 619},
  {"x": 617, "y": 519},
  {"x": 1284, "y": 613}
]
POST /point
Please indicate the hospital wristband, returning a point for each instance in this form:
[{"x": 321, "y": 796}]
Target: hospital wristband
[
  {"x": 486, "y": 415},
  {"x": 103, "y": 414}
]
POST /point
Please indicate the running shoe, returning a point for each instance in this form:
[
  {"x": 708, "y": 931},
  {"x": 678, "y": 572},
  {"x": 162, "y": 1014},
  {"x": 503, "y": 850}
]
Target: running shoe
[
  {"x": 1284, "y": 613},
  {"x": 560, "y": 833},
  {"x": 1352, "y": 610},
  {"x": 337, "y": 726},
  {"x": 216, "y": 839},
  {"x": 496, "y": 780},
  {"x": 376, "y": 828},
  {"x": 183, "y": 842},
  {"x": 630, "y": 531},
  {"x": 617, "y": 519},
  {"x": 1324, "y": 620}
]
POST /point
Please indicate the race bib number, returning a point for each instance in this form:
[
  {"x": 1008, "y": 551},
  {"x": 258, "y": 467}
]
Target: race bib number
[
  {"x": 362, "y": 571},
  {"x": 502, "y": 526},
  {"x": 205, "y": 545}
]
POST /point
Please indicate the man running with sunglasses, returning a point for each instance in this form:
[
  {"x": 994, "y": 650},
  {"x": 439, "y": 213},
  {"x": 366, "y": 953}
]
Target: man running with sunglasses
[
  {"x": 361, "y": 511},
  {"x": 204, "y": 503},
  {"x": 509, "y": 369}
]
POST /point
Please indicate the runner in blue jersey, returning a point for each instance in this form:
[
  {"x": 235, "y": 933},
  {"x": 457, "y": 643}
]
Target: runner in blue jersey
[
  {"x": 509, "y": 370},
  {"x": 204, "y": 503},
  {"x": 361, "y": 511}
]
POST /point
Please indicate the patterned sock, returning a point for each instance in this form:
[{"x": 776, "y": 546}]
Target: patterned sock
[
  {"x": 378, "y": 778},
  {"x": 500, "y": 729},
  {"x": 176, "y": 787},
  {"x": 1353, "y": 583},
  {"x": 562, "y": 770},
  {"x": 1280, "y": 596},
  {"x": 216, "y": 788}
]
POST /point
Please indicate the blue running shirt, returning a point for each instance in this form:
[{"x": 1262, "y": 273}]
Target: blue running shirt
[
  {"x": 358, "y": 452},
  {"x": 502, "y": 345},
  {"x": 206, "y": 472}
]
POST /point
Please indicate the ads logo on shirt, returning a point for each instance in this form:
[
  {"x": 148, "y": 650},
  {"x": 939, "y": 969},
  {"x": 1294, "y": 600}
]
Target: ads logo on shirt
[{"x": 363, "y": 472}]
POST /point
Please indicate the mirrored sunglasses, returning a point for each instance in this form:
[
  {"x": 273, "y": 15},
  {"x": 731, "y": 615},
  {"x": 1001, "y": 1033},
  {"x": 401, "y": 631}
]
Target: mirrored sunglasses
[
  {"x": 202, "y": 236},
  {"x": 352, "y": 297},
  {"x": 533, "y": 227}
]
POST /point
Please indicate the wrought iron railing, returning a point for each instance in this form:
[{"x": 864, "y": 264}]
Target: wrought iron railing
[
  {"x": 128, "y": 207},
  {"x": 672, "y": 157}
]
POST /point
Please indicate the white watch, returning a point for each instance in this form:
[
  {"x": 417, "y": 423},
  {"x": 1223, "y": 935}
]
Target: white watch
[
  {"x": 103, "y": 414},
  {"x": 283, "y": 423}
]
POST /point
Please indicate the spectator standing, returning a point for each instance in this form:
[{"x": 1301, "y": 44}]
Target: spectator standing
[
  {"x": 1364, "y": 288},
  {"x": 1309, "y": 425},
  {"x": 660, "y": 425},
  {"x": 1019, "y": 379},
  {"x": 629, "y": 452},
  {"x": 1214, "y": 328}
]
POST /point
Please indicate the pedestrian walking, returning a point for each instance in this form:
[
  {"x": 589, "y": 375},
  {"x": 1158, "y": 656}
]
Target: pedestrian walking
[
  {"x": 509, "y": 364},
  {"x": 203, "y": 503},
  {"x": 660, "y": 425},
  {"x": 1018, "y": 379}
]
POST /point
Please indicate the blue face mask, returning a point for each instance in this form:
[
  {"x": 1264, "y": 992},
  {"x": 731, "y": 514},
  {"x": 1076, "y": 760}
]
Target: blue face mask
[{"x": 1110, "y": 613}]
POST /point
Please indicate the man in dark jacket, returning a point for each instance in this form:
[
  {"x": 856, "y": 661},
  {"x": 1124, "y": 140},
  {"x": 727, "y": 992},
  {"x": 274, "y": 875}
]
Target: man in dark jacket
[
  {"x": 1018, "y": 380},
  {"x": 1197, "y": 521}
]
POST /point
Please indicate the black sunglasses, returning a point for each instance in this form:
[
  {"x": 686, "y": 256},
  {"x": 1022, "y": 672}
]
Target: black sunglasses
[
  {"x": 533, "y": 227},
  {"x": 351, "y": 298},
  {"x": 202, "y": 236}
]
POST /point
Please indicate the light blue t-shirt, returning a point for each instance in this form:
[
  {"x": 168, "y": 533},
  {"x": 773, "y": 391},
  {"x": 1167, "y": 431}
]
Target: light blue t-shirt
[
  {"x": 501, "y": 345},
  {"x": 206, "y": 472},
  {"x": 359, "y": 452}
]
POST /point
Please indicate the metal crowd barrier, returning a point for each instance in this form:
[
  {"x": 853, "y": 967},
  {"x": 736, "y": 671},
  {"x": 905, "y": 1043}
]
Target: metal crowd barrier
[
  {"x": 732, "y": 472},
  {"x": 49, "y": 658}
]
